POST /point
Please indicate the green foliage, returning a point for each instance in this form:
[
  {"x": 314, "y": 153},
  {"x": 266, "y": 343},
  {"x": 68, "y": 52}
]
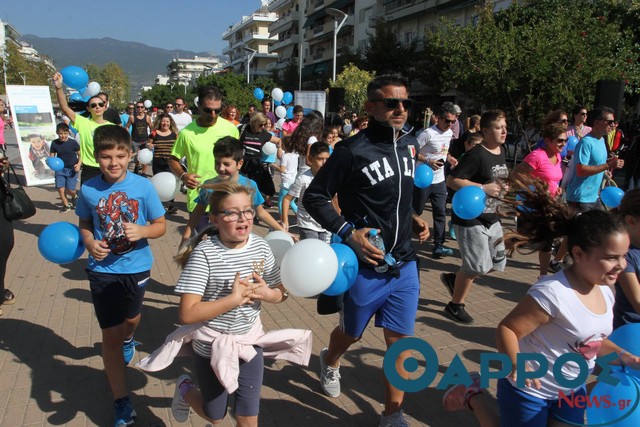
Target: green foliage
[
  {"x": 159, "y": 95},
  {"x": 35, "y": 73},
  {"x": 354, "y": 81},
  {"x": 235, "y": 90},
  {"x": 534, "y": 56},
  {"x": 113, "y": 80},
  {"x": 385, "y": 53}
]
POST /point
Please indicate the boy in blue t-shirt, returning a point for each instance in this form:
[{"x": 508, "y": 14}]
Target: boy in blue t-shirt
[
  {"x": 114, "y": 209},
  {"x": 228, "y": 153},
  {"x": 66, "y": 180}
]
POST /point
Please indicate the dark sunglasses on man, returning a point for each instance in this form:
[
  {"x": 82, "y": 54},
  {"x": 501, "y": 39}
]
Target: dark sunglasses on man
[{"x": 393, "y": 103}]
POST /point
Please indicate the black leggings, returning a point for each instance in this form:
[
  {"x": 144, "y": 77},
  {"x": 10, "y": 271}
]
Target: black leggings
[{"x": 6, "y": 246}]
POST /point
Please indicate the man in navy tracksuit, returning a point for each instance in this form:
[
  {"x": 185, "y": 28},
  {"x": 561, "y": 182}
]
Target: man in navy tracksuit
[{"x": 372, "y": 174}]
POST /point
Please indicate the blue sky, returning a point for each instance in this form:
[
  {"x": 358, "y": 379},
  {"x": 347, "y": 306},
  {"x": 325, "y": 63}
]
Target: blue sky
[{"x": 195, "y": 25}]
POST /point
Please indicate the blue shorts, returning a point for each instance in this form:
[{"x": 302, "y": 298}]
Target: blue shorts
[
  {"x": 67, "y": 178},
  {"x": 393, "y": 301},
  {"x": 519, "y": 408},
  {"x": 117, "y": 297}
]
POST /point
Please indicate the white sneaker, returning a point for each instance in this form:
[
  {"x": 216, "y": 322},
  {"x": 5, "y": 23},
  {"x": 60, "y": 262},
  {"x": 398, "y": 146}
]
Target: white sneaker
[
  {"x": 394, "y": 420},
  {"x": 179, "y": 408},
  {"x": 329, "y": 377}
]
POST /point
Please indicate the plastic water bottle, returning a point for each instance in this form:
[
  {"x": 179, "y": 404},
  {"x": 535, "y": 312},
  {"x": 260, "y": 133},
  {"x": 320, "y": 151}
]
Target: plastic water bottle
[{"x": 376, "y": 240}]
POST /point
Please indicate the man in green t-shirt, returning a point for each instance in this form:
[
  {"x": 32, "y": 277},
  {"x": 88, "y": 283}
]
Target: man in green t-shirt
[{"x": 196, "y": 141}]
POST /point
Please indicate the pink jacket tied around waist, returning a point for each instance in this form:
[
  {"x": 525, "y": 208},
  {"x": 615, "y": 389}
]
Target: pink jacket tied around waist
[{"x": 293, "y": 345}]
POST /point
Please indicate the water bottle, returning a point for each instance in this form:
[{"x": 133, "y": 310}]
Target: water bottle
[{"x": 376, "y": 240}]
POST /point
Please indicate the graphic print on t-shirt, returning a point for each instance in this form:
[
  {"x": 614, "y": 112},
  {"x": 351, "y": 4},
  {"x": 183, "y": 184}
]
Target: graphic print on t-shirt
[
  {"x": 113, "y": 213},
  {"x": 589, "y": 347}
]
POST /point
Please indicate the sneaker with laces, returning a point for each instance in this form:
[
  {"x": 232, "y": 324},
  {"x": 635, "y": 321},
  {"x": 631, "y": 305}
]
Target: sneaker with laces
[
  {"x": 555, "y": 266},
  {"x": 394, "y": 420},
  {"x": 123, "y": 412},
  {"x": 448, "y": 280},
  {"x": 458, "y": 313},
  {"x": 129, "y": 350},
  {"x": 329, "y": 377},
  {"x": 440, "y": 251},
  {"x": 179, "y": 408},
  {"x": 457, "y": 397},
  {"x": 65, "y": 209},
  {"x": 73, "y": 201}
]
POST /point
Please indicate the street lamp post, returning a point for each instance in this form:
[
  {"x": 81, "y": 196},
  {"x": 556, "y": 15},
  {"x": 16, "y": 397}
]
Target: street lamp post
[
  {"x": 250, "y": 54},
  {"x": 24, "y": 78},
  {"x": 337, "y": 14}
]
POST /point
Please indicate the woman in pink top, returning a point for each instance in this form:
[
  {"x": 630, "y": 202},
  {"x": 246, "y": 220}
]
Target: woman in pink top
[
  {"x": 2, "y": 107},
  {"x": 545, "y": 163}
]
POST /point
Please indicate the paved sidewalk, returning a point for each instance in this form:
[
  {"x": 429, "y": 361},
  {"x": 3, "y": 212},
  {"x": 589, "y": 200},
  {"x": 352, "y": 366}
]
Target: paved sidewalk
[{"x": 51, "y": 370}]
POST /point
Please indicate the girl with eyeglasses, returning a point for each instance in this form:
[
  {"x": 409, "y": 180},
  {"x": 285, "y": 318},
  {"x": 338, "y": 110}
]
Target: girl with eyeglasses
[
  {"x": 544, "y": 164},
  {"x": 579, "y": 127},
  {"x": 227, "y": 273},
  {"x": 85, "y": 127}
]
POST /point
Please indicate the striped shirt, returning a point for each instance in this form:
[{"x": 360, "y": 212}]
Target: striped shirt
[
  {"x": 210, "y": 272},
  {"x": 162, "y": 145}
]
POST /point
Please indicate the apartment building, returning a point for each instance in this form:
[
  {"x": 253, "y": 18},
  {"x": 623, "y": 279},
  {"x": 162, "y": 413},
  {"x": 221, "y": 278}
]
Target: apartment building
[
  {"x": 286, "y": 29},
  {"x": 251, "y": 35},
  {"x": 184, "y": 71}
]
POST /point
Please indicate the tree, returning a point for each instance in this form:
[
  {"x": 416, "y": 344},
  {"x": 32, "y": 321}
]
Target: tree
[
  {"x": 533, "y": 56},
  {"x": 235, "y": 89},
  {"x": 113, "y": 80},
  {"x": 36, "y": 73},
  {"x": 354, "y": 81},
  {"x": 385, "y": 53}
]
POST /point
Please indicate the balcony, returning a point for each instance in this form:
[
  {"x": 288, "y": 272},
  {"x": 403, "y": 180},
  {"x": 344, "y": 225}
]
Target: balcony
[
  {"x": 258, "y": 36},
  {"x": 277, "y": 4},
  {"x": 246, "y": 20},
  {"x": 284, "y": 23},
  {"x": 281, "y": 44}
]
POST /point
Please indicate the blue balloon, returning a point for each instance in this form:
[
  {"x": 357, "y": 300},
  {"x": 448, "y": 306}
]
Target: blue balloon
[
  {"x": 572, "y": 141},
  {"x": 75, "y": 77},
  {"x": 287, "y": 97},
  {"x": 258, "y": 94},
  {"x": 55, "y": 163},
  {"x": 60, "y": 242},
  {"x": 618, "y": 404},
  {"x": 276, "y": 103},
  {"x": 626, "y": 337},
  {"x": 289, "y": 113},
  {"x": 423, "y": 176},
  {"x": 611, "y": 197},
  {"x": 347, "y": 270},
  {"x": 468, "y": 202},
  {"x": 75, "y": 97}
]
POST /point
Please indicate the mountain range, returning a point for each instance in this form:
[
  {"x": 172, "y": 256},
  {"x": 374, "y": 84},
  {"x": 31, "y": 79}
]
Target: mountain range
[{"x": 141, "y": 62}]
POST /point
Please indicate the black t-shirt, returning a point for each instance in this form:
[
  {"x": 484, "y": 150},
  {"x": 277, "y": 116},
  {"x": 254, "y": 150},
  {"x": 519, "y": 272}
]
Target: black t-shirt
[
  {"x": 111, "y": 115},
  {"x": 253, "y": 142},
  {"x": 67, "y": 151},
  {"x": 481, "y": 166}
]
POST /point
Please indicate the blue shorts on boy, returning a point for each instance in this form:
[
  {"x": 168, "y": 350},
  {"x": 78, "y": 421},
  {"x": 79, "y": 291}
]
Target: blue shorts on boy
[
  {"x": 117, "y": 297},
  {"x": 66, "y": 151},
  {"x": 394, "y": 301},
  {"x": 109, "y": 206}
]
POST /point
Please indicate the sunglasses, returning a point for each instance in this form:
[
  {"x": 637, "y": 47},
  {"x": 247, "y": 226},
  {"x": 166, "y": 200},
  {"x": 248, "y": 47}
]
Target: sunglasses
[
  {"x": 179, "y": 105},
  {"x": 169, "y": 107},
  {"x": 394, "y": 103},
  {"x": 211, "y": 110},
  {"x": 96, "y": 104},
  {"x": 139, "y": 106},
  {"x": 583, "y": 114},
  {"x": 561, "y": 140},
  {"x": 448, "y": 121},
  {"x": 563, "y": 121}
]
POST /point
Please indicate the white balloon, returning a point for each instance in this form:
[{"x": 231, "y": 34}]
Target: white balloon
[
  {"x": 346, "y": 129},
  {"x": 279, "y": 242},
  {"x": 277, "y": 95},
  {"x": 280, "y": 123},
  {"x": 195, "y": 100},
  {"x": 93, "y": 89},
  {"x": 145, "y": 156},
  {"x": 309, "y": 268},
  {"x": 167, "y": 185},
  {"x": 147, "y": 104},
  {"x": 269, "y": 148},
  {"x": 281, "y": 112}
]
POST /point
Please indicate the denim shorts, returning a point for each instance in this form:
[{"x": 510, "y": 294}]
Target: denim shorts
[{"x": 67, "y": 178}]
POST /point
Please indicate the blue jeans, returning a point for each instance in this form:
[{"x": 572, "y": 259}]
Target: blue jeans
[{"x": 437, "y": 193}]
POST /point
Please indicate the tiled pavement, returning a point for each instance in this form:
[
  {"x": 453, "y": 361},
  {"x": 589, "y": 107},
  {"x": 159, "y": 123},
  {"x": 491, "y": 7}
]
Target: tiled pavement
[{"x": 51, "y": 370}]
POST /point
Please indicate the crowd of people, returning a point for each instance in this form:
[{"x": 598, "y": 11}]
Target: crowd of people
[{"x": 346, "y": 178}]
